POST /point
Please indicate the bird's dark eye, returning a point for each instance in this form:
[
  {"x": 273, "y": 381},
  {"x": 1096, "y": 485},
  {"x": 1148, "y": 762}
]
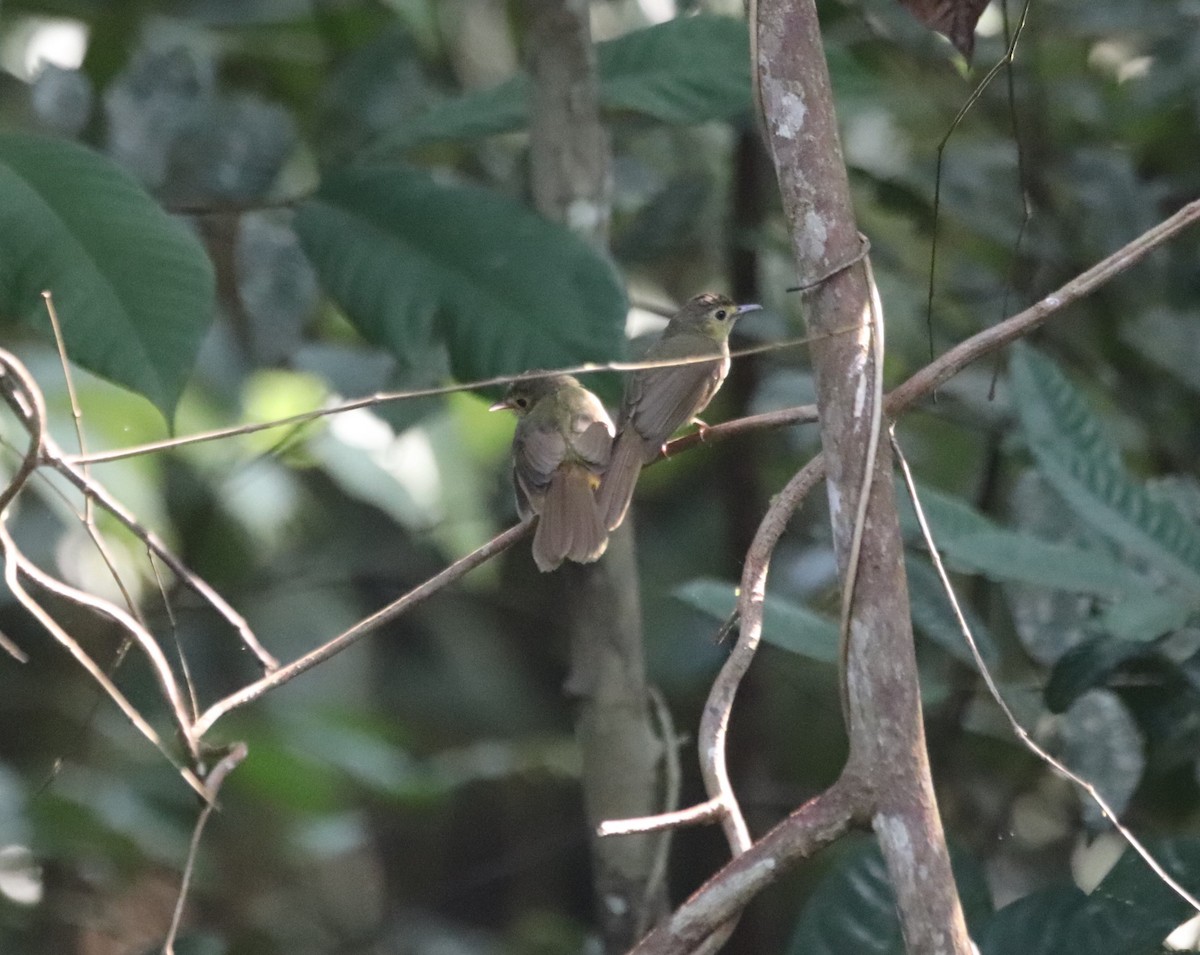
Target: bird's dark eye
[
  {"x": 722, "y": 314},
  {"x": 522, "y": 402}
]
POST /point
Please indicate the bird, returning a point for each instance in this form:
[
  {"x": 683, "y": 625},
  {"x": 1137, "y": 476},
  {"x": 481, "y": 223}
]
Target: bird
[
  {"x": 561, "y": 447},
  {"x": 659, "y": 401}
]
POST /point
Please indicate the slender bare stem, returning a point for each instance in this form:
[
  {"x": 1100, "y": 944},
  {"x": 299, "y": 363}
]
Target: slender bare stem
[
  {"x": 286, "y": 674},
  {"x": 197, "y": 584},
  {"x": 950, "y": 363},
  {"x": 15, "y": 565},
  {"x": 383, "y": 397},
  {"x": 1018, "y": 729},
  {"x": 212, "y": 784},
  {"x": 698, "y": 815},
  {"x": 130, "y": 626},
  {"x": 808, "y": 828}
]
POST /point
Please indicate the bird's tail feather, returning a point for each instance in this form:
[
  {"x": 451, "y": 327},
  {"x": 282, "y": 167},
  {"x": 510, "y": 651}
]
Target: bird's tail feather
[
  {"x": 570, "y": 526},
  {"x": 616, "y": 487}
]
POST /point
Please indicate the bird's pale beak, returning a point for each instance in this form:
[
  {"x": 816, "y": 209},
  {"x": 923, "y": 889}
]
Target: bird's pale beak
[
  {"x": 743, "y": 309},
  {"x": 502, "y": 405}
]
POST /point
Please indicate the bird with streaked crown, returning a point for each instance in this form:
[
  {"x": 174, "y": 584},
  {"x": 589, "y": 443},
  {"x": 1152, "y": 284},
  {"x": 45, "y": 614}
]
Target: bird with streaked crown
[
  {"x": 659, "y": 401},
  {"x": 561, "y": 447}
]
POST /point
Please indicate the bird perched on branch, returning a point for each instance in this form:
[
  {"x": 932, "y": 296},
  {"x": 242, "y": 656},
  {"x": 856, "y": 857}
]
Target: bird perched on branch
[
  {"x": 659, "y": 401},
  {"x": 560, "y": 449}
]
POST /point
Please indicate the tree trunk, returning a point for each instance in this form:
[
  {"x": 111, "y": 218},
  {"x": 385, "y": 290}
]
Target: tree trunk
[
  {"x": 887, "y": 736},
  {"x": 570, "y": 161}
]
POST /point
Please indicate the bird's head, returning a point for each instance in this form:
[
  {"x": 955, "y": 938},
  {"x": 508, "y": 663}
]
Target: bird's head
[
  {"x": 710, "y": 314},
  {"x": 531, "y": 388}
]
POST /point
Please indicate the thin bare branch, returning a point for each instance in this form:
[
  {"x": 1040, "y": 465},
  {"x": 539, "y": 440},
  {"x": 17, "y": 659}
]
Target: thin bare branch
[
  {"x": 808, "y": 828},
  {"x": 286, "y": 674},
  {"x": 383, "y": 397},
  {"x": 130, "y": 626},
  {"x": 61, "y": 346},
  {"x": 1021, "y": 733},
  {"x": 714, "y": 723},
  {"x": 701, "y": 814},
  {"x": 15, "y": 565},
  {"x": 212, "y": 783},
  {"x": 950, "y": 363},
  {"x": 875, "y": 311},
  {"x": 22, "y": 395},
  {"x": 88, "y": 517},
  {"x": 183, "y": 664},
  {"x": 197, "y": 584}
]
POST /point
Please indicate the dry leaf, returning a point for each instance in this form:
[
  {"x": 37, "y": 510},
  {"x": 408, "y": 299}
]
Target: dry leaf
[{"x": 955, "y": 18}]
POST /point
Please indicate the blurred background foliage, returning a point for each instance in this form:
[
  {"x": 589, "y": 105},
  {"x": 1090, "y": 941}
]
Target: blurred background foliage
[{"x": 357, "y": 174}]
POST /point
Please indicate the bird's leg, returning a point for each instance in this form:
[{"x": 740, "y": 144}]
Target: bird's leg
[{"x": 701, "y": 427}]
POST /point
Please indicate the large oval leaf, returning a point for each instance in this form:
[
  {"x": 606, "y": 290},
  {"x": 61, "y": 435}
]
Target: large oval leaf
[
  {"x": 971, "y": 542},
  {"x": 687, "y": 70},
  {"x": 133, "y": 287},
  {"x": 410, "y": 259},
  {"x": 853, "y": 909},
  {"x": 1075, "y": 455},
  {"x": 1131, "y": 910},
  {"x": 786, "y": 624}
]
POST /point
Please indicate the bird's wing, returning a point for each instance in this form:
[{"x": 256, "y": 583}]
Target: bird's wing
[
  {"x": 662, "y": 400},
  {"x": 592, "y": 444},
  {"x": 538, "y": 449}
]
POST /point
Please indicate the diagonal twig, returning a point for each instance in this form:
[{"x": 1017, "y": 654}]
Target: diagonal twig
[
  {"x": 1019, "y": 730},
  {"x": 212, "y": 785},
  {"x": 74, "y": 473},
  {"x": 285, "y": 674},
  {"x": 17, "y": 564}
]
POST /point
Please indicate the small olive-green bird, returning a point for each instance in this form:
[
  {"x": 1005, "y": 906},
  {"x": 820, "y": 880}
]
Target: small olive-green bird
[
  {"x": 560, "y": 449},
  {"x": 660, "y": 401}
]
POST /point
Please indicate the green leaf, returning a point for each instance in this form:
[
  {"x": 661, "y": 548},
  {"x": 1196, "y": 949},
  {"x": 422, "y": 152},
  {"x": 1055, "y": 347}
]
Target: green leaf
[
  {"x": 489, "y": 112},
  {"x": 1148, "y": 617},
  {"x": 1168, "y": 338},
  {"x": 687, "y": 70},
  {"x": 133, "y": 288},
  {"x": 412, "y": 260},
  {"x": 1068, "y": 442},
  {"x": 1131, "y": 911},
  {"x": 933, "y": 616},
  {"x": 853, "y": 909},
  {"x": 972, "y": 543},
  {"x": 1087, "y": 665},
  {"x": 1038, "y": 924},
  {"x": 1101, "y": 742},
  {"x": 1054, "y": 413},
  {"x": 787, "y": 625}
]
